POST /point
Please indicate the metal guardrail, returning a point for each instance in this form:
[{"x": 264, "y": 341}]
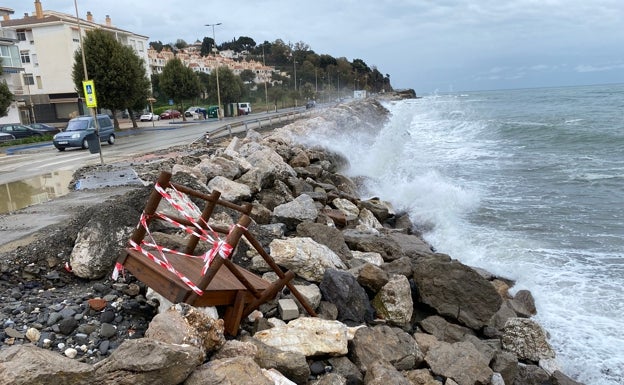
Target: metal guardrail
[{"x": 258, "y": 123}]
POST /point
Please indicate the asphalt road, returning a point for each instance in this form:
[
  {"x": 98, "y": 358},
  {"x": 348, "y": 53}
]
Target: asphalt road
[{"x": 27, "y": 161}]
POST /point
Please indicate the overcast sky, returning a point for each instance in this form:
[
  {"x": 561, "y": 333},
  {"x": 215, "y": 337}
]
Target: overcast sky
[{"x": 427, "y": 45}]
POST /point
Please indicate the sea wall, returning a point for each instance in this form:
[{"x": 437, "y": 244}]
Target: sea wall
[{"x": 390, "y": 308}]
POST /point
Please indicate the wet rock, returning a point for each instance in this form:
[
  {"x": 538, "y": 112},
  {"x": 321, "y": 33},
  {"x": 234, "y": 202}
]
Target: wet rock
[
  {"x": 456, "y": 291},
  {"x": 383, "y": 343}
]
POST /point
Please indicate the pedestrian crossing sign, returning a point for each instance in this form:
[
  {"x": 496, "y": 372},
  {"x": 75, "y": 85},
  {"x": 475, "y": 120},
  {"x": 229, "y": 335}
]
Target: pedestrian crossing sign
[{"x": 89, "y": 92}]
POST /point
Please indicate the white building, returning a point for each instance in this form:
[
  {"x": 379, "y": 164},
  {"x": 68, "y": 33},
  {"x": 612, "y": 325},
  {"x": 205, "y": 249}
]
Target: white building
[
  {"x": 47, "y": 41},
  {"x": 12, "y": 68}
]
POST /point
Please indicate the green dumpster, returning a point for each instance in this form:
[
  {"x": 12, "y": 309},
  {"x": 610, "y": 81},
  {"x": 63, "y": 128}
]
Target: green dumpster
[{"x": 213, "y": 112}]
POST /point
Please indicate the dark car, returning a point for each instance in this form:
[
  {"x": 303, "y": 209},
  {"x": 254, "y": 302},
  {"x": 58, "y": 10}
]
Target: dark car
[
  {"x": 170, "y": 114},
  {"x": 4, "y": 137},
  {"x": 46, "y": 129},
  {"x": 19, "y": 131},
  {"x": 310, "y": 104}
]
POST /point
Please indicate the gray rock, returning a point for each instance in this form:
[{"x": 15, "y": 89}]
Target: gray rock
[
  {"x": 299, "y": 210},
  {"x": 459, "y": 361},
  {"x": 326, "y": 235},
  {"x": 342, "y": 289},
  {"x": 29, "y": 365},
  {"x": 383, "y": 373},
  {"x": 381, "y": 342},
  {"x": 444, "y": 330},
  {"x": 372, "y": 277},
  {"x": 394, "y": 303},
  {"x": 526, "y": 339},
  {"x": 229, "y": 371},
  {"x": 456, "y": 291},
  {"x": 361, "y": 241},
  {"x": 291, "y": 364},
  {"x": 144, "y": 362},
  {"x": 98, "y": 243}
]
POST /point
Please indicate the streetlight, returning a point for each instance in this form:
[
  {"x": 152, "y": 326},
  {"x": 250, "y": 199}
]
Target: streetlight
[{"x": 214, "y": 50}]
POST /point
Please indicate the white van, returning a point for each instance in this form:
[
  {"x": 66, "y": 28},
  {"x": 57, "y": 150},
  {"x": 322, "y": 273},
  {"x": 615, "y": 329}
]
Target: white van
[{"x": 244, "y": 108}]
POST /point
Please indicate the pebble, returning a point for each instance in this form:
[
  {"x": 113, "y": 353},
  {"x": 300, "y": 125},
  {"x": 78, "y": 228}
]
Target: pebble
[
  {"x": 33, "y": 335},
  {"x": 64, "y": 320},
  {"x": 71, "y": 352}
]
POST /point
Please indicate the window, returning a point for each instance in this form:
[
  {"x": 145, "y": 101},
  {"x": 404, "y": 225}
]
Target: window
[
  {"x": 25, "y": 55},
  {"x": 21, "y": 35},
  {"x": 75, "y": 35},
  {"x": 39, "y": 83},
  {"x": 29, "y": 79}
]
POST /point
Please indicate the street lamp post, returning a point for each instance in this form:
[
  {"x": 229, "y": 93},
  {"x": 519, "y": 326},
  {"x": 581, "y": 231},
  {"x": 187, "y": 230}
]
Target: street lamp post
[
  {"x": 86, "y": 77},
  {"x": 214, "y": 50}
]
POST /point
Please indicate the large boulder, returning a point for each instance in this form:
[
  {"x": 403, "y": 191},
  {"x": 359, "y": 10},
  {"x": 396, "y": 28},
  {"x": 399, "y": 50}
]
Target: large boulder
[
  {"x": 372, "y": 344},
  {"x": 219, "y": 165},
  {"x": 291, "y": 364},
  {"x": 230, "y": 190},
  {"x": 145, "y": 362},
  {"x": 383, "y": 373},
  {"x": 98, "y": 243},
  {"x": 460, "y": 361},
  {"x": 367, "y": 242},
  {"x": 305, "y": 257},
  {"x": 456, "y": 291},
  {"x": 296, "y": 211},
  {"x": 526, "y": 339},
  {"x": 342, "y": 289},
  {"x": 394, "y": 301},
  {"x": 326, "y": 235},
  {"x": 30, "y": 365},
  {"x": 184, "y": 324},
  {"x": 239, "y": 370},
  {"x": 309, "y": 336}
]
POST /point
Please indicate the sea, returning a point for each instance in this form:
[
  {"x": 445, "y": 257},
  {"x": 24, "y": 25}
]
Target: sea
[{"x": 526, "y": 183}]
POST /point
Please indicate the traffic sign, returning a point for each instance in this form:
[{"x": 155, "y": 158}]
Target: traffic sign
[{"x": 89, "y": 91}]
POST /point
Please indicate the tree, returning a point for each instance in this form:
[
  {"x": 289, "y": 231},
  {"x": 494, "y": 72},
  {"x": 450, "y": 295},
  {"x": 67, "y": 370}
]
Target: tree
[
  {"x": 247, "y": 76},
  {"x": 157, "y": 45},
  {"x": 6, "y": 97},
  {"x": 180, "y": 44},
  {"x": 231, "y": 86},
  {"x": 118, "y": 73},
  {"x": 206, "y": 46},
  {"x": 179, "y": 82}
]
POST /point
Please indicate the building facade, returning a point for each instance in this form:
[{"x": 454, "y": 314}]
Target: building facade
[
  {"x": 46, "y": 42},
  {"x": 192, "y": 58}
]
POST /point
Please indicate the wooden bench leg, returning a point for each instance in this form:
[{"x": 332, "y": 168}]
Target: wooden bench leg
[
  {"x": 269, "y": 293},
  {"x": 234, "y": 313}
]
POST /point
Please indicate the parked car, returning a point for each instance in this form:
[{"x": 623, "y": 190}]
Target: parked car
[
  {"x": 46, "y": 129},
  {"x": 244, "y": 108},
  {"x": 170, "y": 114},
  {"x": 19, "y": 131},
  {"x": 148, "y": 117},
  {"x": 78, "y": 130},
  {"x": 4, "y": 137},
  {"x": 189, "y": 113}
]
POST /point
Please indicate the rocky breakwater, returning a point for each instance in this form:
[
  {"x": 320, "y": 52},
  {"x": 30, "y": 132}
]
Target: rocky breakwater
[{"x": 391, "y": 309}]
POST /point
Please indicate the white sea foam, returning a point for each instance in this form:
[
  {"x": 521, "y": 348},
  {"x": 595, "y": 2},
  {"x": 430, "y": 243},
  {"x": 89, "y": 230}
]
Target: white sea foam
[{"x": 497, "y": 200}]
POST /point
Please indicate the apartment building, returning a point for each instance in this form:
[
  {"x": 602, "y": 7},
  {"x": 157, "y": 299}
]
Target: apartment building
[
  {"x": 12, "y": 67},
  {"x": 46, "y": 42}
]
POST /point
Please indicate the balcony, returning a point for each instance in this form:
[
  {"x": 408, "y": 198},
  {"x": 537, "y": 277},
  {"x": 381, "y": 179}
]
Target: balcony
[{"x": 8, "y": 34}]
